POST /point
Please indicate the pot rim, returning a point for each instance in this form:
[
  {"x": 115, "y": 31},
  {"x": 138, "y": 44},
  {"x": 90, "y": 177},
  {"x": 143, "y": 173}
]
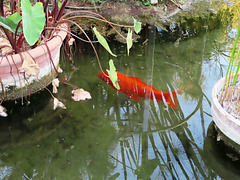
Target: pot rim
[
  {"x": 36, "y": 52},
  {"x": 217, "y": 87}
]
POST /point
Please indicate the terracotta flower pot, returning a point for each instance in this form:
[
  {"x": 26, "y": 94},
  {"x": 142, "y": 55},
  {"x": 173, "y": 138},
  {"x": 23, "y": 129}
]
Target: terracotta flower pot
[
  {"x": 227, "y": 124},
  {"x": 16, "y": 83}
]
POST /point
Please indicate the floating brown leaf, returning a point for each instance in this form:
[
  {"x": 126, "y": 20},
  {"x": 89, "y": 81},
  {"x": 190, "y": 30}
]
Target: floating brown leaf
[
  {"x": 57, "y": 103},
  {"x": 3, "y": 111},
  {"x": 55, "y": 84},
  {"x": 80, "y": 95},
  {"x": 29, "y": 67}
]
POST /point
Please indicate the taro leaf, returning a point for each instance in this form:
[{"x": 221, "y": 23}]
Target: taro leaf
[
  {"x": 8, "y": 24},
  {"x": 103, "y": 41},
  {"x": 129, "y": 40},
  {"x": 137, "y": 26},
  {"x": 113, "y": 74},
  {"x": 33, "y": 21},
  {"x": 15, "y": 17}
]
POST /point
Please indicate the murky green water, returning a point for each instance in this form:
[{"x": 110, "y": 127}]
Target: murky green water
[{"x": 114, "y": 137}]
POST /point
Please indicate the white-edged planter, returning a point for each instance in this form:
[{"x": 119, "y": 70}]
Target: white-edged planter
[
  {"x": 227, "y": 124},
  {"x": 14, "y": 82}
]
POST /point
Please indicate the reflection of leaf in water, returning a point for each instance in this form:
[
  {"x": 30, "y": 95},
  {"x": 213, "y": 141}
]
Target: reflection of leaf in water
[
  {"x": 146, "y": 170},
  {"x": 114, "y": 176}
]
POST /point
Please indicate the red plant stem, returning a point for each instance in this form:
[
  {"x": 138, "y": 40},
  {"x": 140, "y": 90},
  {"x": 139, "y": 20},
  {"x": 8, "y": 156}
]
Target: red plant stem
[
  {"x": 89, "y": 40},
  {"x": 93, "y": 13},
  {"x": 10, "y": 38},
  {"x": 1, "y": 8},
  {"x": 50, "y": 56}
]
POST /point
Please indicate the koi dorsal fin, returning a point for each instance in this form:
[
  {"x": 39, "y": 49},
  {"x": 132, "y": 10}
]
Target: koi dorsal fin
[{"x": 136, "y": 79}]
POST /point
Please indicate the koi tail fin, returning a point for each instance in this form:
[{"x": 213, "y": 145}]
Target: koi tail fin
[{"x": 171, "y": 98}]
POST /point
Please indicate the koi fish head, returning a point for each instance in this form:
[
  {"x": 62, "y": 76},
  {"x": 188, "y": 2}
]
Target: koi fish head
[{"x": 105, "y": 78}]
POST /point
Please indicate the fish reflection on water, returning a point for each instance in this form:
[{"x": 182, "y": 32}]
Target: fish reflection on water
[{"x": 135, "y": 88}]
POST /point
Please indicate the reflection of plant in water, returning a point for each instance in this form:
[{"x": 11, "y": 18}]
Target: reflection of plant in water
[
  {"x": 233, "y": 9},
  {"x": 156, "y": 140},
  {"x": 167, "y": 147}
]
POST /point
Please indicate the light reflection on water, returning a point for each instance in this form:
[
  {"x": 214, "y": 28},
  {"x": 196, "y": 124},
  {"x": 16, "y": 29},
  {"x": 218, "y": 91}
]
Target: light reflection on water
[{"x": 112, "y": 136}]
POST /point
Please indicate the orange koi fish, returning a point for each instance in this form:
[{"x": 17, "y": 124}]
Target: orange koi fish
[{"x": 135, "y": 88}]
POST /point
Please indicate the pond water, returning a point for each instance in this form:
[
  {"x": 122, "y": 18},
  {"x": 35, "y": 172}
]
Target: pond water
[{"x": 114, "y": 137}]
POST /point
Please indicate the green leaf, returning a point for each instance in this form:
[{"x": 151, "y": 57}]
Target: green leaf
[
  {"x": 103, "y": 41},
  {"x": 11, "y": 22},
  {"x": 129, "y": 40},
  {"x": 15, "y": 17},
  {"x": 59, "y": 4},
  {"x": 33, "y": 21},
  {"x": 137, "y": 26},
  {"x": 8, "y": 24},
  {"x": 113, "y": 74}
]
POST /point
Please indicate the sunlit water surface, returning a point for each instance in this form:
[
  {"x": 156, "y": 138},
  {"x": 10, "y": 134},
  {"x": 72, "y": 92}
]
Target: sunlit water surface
[{"x": 114, "y": 137}]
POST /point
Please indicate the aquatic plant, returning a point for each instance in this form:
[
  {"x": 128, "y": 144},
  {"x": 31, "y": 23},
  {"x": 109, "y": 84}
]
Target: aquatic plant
[
  {"x": 230, "y": 91},
  {"x": 25, "y": 27}
]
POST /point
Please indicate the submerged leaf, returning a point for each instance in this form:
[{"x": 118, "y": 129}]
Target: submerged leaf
[
  {"x": 137, "y": 26},
  {"x": 3, "y": 111},
  {"x": 80, "y": 95},
  {"x": 57, "y": 103},
  {"x": 129, "y": 40},
  {"x": 55, "y": 84},
  {"x": 113, "y": 75},
  {"x": 29, "y": 67},
  {"x": 103, "y": 41}
]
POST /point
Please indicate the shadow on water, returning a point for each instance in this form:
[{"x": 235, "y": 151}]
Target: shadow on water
[{"x": 114, "y": 137}]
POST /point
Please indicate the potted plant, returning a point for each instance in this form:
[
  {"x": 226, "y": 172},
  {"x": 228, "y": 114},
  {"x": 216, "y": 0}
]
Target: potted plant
[
  {"x": 226, "y": 98},
  {"x": 28, "y": 30}
]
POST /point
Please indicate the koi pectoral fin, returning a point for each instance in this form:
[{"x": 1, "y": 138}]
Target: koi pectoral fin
[{"x": 135, "y": 98}]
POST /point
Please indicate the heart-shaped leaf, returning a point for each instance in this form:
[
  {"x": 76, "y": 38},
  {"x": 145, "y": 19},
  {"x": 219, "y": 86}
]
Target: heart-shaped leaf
[
  {"x": 33, "y": 21},
  {"x": 137, "y": 26}
]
